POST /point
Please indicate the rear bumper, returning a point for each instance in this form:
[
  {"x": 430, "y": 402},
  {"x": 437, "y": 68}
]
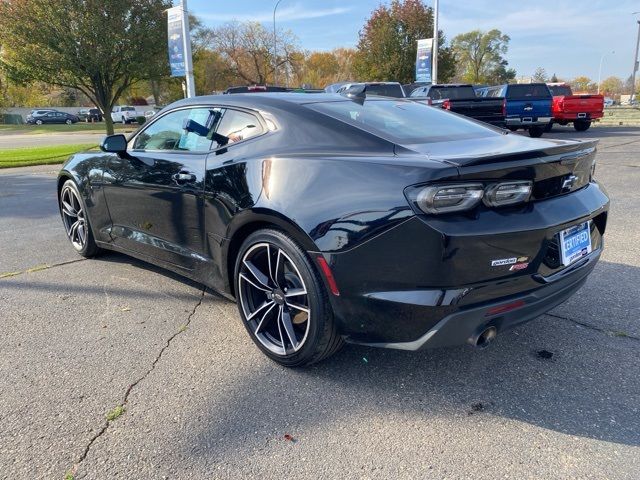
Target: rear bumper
[
  {"x": 465, "y": 325},
  {"x": 570, "y": 117},
  {"x": 527, "y": 121},
  {"x": 431, "y": 281}
]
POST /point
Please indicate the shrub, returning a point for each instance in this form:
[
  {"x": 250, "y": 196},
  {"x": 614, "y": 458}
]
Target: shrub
[
  {"x": 11, "y": 118},
  {"x": 140, "y": 119}
]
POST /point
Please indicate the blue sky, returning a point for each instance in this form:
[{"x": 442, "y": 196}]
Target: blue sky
[{"x": 565, "y": 37}]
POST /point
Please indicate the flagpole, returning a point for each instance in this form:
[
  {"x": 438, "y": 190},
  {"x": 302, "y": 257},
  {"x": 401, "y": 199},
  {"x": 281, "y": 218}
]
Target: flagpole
[
  {"x": 434, "y": 54},
  {"x": 188, "y": 61}
]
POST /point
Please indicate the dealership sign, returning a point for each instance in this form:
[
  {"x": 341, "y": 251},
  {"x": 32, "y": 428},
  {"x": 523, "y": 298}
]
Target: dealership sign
[
  {"x": 423, "y": 60},
  {"x": 176, "y": 43}
]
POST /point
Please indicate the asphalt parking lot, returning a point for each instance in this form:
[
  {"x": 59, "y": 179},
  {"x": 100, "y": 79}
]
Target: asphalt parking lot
[{"x": 556, "y": 398}]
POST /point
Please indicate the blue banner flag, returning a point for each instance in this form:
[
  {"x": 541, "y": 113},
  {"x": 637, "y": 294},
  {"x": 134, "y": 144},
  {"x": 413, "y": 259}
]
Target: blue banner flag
[
  {"x": 176, "y": 42},
  {"x": 424, "y": 60}
]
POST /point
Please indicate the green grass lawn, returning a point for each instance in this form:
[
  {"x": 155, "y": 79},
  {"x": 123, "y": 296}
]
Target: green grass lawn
[
  {"x": 22, "y": 157},
  {"x": 55, "y": 128}
]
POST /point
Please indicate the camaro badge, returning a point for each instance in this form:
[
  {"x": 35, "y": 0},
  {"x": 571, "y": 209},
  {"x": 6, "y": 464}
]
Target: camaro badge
[
  {"x": 508, "y": 261},
  {"x": 503, "y": 261}
]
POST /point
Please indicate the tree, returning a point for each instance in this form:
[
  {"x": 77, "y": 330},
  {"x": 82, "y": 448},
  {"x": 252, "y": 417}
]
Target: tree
[
  {"x": 247, "y": 49},
  {"x": 96, "y": 46},
  {"x": 480, "y": 55},
  {"x": 540, "y": 75},
  {"x": 611, "y": 86},
  {"x": 554, "y": 79},
  {"x": 388, "y": 43},
  {"x": 583, "y": 84}
]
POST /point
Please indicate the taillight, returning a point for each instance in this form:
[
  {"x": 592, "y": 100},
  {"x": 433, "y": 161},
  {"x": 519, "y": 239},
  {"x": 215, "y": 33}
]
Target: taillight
[
  {"x": 446, "y": 104},
  {"x": 459, "y": 197}
]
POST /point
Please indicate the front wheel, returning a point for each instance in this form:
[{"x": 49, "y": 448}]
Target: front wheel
[
  {"x": 536, "y": 132},
  {"x": 581, "y": 125},
  {"x": 68, "y": 121},
  {"x": 283, "y": 302},
  {"x": 76, "y": 220},
  {"x": 38, "y": 122}
]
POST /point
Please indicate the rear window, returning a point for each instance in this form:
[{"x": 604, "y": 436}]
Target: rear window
[
  {"x": 385, "y": 90},
  {"x": 452, "y": 93},
  {"x": 404, "y": 122},
  {"x": 532, "y": 90},
  {"x": 560, "y": 90}
]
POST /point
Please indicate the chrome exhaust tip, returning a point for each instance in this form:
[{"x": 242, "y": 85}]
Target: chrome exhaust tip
[{"x": 484, "y": 339}]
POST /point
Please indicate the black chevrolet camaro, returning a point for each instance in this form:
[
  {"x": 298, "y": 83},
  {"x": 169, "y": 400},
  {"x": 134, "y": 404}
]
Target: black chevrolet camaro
[{"x": 361, "y": 219}]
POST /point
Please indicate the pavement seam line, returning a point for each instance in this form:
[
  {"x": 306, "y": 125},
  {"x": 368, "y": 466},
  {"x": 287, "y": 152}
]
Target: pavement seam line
[
  {"x": 609, "y": 333},
  {"x": 125, "y": 400},
  {"x": 38, "y": 268}
]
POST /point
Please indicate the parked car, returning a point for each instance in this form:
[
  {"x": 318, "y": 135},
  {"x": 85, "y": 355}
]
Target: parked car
[
  {"x": 580, "y": 110},
  {"x": 90, "y": 115},
  {"x": 255, "y": 89},
  {"x": 333, "y": 88},
  {"x": 370, "y": 220},
  {"x": 410, "y": 87},
  {"x": 528, "y": 105},
  {"x": 462, "y": 99},
  {"x": 124, "y": 114},
  {"x": 53, "y": 116},
  {"x": 383, "y": 89},
  {"x": 609, "y": 102},
  {"x": 37, "y": 113}
]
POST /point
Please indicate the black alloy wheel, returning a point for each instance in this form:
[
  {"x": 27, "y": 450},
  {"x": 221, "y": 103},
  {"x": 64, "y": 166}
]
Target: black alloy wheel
[
  {"x": 282, "y": 301},
  {"x": 76, "y": 221}
]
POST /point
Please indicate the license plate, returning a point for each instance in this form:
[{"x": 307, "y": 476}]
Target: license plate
[{"x": 575, "y": 243}]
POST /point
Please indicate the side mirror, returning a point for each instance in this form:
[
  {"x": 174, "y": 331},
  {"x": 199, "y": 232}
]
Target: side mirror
[{"x": 114, "y": 144}]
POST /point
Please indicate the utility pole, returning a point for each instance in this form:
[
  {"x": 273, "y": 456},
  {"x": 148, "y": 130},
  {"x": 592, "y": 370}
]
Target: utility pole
[
  {"x": 434, "y": 53},
  {"x": 188, "y": 61},
  {"x": 275, "y": 46},
  {"x": 635, "y": 67}
]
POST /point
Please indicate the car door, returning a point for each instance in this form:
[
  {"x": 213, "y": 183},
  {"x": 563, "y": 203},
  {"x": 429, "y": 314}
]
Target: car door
[
  {"x": 49, "y": 117},
  {"x": 155, "y": 192}
]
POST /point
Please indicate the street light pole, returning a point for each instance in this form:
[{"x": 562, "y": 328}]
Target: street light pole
[
  {"x": 188, "y": 61},
  {"x": 635, "y": 67},
  {"x": 275, "y": 46},
  {"x": 434, "y": 54},
  {"x": 600, "y": 68}
]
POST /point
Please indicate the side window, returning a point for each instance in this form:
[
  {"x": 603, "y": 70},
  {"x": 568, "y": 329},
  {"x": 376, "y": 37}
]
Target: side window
[
  {"x": 237, "y": 126},
  {"x": 168, "y": 132}
]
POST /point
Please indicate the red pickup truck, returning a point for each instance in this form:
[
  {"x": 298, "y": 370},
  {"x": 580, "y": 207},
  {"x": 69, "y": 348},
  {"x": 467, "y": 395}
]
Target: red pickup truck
[{"x": 580, "y": 110}]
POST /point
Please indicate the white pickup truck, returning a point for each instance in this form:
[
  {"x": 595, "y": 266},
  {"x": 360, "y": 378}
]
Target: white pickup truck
[{"x": 125, "y": 114}]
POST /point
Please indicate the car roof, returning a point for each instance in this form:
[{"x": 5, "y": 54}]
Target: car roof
[
  {"x": 450, "y": 85},
  {"x": 258, "y": 100}
]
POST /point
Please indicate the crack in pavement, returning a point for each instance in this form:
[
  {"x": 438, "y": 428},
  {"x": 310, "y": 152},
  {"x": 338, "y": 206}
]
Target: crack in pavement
[
  {"x": 125, "y": 400},
  {"x": 610, "y": 333},
  {"x": 38, "y": 268}
]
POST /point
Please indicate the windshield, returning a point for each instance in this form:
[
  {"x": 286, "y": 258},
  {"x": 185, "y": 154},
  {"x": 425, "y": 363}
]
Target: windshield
[
  {"x": 531, "y": 90},
  {"x": 404, "y": 122},
  {"x": 561, "y": 90},
  {"x": 452, "y": 93},
  {"x": 128, "y": 109}
]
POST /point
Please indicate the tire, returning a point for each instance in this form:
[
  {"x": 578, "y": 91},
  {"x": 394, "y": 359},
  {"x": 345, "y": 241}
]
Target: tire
[
  {"x": 68, "y": 121},
  {"x": 536, "y": 132},
  {"x": 38, "y": 122},
  {"x": 513, "y": 129},
  {"x": 581, "y": 125},
  {"x": 548, "y": 127},
  {"x": 290, "y": 318},
  {"x": 124, "y": 121},
  {"x": 72, "y": 211}
]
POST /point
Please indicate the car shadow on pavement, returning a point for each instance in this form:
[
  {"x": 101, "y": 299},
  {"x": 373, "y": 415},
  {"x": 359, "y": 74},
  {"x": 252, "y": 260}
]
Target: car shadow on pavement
[{"x": 552, "y": 373}]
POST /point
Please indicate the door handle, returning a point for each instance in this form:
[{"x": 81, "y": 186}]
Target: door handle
[{"x": 183, "y": 177}]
